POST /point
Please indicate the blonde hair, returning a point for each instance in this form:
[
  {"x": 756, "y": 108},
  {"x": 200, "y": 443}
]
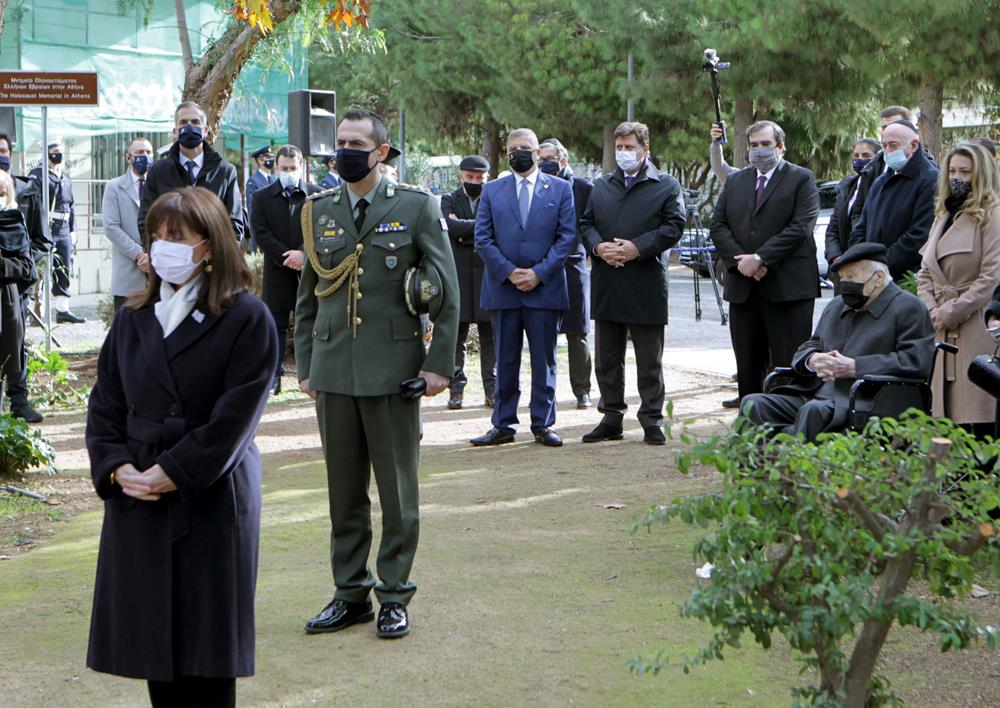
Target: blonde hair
[
  {"x": 8, "y": 200},
  {"x": 984, "y": 196}
]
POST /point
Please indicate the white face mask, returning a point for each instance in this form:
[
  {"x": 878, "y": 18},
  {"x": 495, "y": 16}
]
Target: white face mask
[
  {"x": 173, "y": 262},
  {"x": 288, "y": 179},
  {"x": 628, "y": 160}
]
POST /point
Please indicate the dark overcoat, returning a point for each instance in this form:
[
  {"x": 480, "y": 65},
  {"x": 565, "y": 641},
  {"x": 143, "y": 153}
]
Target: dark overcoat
[
  {"x": 891, "y": 337},
  {"x": 576, "y": 318},
  {"x": 461, "y": 233},
  {"x": 842, "y": 221},
  {"x": 61, "y": 200},
  {"x": 277, "y": 228},
  {"x": 17, "y": 275},
  {"x": 174, "y": 593},
  {"x": 651, "y": 214},
  {"x": 899, "y": 211},
  {"x": 216, "y": 175}
]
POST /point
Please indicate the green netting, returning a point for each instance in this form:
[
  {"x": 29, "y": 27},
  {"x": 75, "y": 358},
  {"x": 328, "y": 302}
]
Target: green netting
[{"x": 140, "y": 69}]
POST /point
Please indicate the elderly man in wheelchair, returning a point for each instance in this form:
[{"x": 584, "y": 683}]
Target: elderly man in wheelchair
[{"x": 871, "y": 354}]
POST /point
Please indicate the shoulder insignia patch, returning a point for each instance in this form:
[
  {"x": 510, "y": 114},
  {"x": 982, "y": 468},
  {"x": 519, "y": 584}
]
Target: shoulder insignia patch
[{"x": 333, "y": 192}]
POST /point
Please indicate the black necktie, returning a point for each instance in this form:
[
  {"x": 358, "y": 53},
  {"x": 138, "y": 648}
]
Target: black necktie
[
  {"x": 142, "y": 188},
  {"x": 360, "y": 219},
  {"x": 191, "y": 164}
]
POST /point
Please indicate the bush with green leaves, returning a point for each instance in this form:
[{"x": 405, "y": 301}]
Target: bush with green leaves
[
  {"x": 50, "y": 382},
  {"x": 822, "y": 542},
  {"x": 22, "y": 448}
]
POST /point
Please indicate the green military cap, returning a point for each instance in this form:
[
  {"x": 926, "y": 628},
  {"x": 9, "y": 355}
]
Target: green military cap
[{"x": 423, "y": 289}]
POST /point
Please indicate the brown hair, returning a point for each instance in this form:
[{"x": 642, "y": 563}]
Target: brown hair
[
  {"x": 201, "y": 212},
  {"x": 289, "y": 151},
  {"x": 639, "y": 130},
  {"x": 897, "y": 111}
]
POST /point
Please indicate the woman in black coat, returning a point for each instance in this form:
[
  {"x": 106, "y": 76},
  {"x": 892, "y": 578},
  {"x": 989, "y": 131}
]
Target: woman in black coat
[
  {"x": 17, "y": 274},
  {"x": 182, "y": 381}
]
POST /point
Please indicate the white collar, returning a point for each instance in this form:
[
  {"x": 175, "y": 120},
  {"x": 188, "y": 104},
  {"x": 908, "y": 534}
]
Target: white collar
[
  {"x": 532, "y": 177},
  {"x": 176, "y": 304},
  {"x": 198, "y": 161}
]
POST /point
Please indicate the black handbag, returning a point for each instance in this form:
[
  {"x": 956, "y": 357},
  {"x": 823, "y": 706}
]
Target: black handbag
[{"x": 984, "y": 372}]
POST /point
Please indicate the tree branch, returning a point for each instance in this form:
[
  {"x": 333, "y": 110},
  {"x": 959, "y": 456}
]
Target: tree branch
[
  {"x": 183, "y": 35},
  {"x": 878, "y": 524}
]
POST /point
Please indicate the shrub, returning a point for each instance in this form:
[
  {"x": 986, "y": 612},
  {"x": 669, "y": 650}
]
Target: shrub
[
  {"x": 50, "y": 382},
  {"x": 22, "y": 448},
  {"x": 819, "y": 543}
]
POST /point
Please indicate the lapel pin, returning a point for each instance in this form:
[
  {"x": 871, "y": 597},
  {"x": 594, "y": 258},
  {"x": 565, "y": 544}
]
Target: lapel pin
[{"x": 198, "y": 316}]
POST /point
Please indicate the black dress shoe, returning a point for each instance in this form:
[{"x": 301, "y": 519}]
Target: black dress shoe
[
  {"x": 583, "y": 401},
  {"x": 67, "y": 317},
  {"x": 455, "y": 402},
  {"x": 603, "y": 432},
  {"x": 653, "y": 435},
  {"x": 731, "y": 403},
  {"x": 393, "y": 621},
  {"x": 276, "y": 386},
  {"x": 547, "y": 437},
  {"x": 494, "y": 437},
  {"x": 26, "y": 413},
  {"x": 340, "y": 614}
]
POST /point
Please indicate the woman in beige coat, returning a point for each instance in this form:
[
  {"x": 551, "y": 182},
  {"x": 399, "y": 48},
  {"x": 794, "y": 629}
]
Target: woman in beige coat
[{"x": 960, "y": 269}]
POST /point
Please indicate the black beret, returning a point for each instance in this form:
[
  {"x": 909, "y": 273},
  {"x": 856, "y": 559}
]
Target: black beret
[
  {"x": 474, "y": 163},
  {"x": 261, "y": 152},
  {"x": 861, "y": 252}
]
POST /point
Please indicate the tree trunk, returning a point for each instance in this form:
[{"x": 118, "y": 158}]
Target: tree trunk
[
  {"x": 742, "y": 119},
  {"x": 491, "y": 144},
  {"x": 930, "y": 122},
  {"x": 184, "y": 36},
  {"x": 608, "y": 162},
  {"x": 210, "y": 80}
]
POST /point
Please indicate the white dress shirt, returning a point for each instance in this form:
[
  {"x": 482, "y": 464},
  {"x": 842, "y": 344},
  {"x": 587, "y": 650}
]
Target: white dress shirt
[
  {"x": 199, "y": 161},
  {"x": 531, "y": 177}
]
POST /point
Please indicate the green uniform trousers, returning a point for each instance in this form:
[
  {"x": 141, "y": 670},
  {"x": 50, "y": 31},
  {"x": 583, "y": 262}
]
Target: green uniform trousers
[{"x": 360, "y": 433}]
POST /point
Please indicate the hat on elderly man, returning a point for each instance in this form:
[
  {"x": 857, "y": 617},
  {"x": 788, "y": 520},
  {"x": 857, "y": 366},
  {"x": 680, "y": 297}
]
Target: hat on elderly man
[
  {"x": 474, "y": 163},
  {"x": 862, "y": 252}
]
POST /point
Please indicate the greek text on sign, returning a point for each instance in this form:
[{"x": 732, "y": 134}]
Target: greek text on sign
[{"x": 48, "y": 88}]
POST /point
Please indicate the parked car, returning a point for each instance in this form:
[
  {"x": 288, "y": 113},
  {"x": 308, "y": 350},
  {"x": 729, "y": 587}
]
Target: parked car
[{"x": 693, "y": 239}]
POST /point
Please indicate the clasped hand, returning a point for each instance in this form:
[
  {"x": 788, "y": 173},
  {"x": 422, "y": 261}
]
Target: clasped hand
[
  {"x": 145, "y": 486},
  {"x": 750, "y": 267},
  {"x": 832, "y": 365},
  {"x": 618, "y": 252},
  {"x": 524, "y": 279}
]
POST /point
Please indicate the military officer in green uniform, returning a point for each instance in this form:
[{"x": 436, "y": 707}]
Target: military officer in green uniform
[{"x": 377, "y": 257}]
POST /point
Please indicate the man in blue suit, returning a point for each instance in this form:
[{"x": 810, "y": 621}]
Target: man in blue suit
[{"x": 525, "y": 229}]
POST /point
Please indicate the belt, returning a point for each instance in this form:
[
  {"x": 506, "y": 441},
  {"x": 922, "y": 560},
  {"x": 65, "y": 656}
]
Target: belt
[
  {"x": 167, "y": 434},
  {"x": 62, "y": 215}
]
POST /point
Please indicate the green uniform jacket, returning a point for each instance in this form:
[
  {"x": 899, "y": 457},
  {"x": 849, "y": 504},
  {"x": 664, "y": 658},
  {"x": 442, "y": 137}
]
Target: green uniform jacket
[{"x": 402, "y": 226}]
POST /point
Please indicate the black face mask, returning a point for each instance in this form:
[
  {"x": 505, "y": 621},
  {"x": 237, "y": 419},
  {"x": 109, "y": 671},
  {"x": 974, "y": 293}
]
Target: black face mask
[
  {"x": 853, "y": 293},
  {"x": 55, "y": 157},
  {"x": 5, "y": 163},
  {"x": 352, "y": 165},
  {"x": 521, "y": 160},
  {"x": 549, "y": 167},
  {"x": 190, "y": 136},
  {"x": 268, "y": 164},
  {"x": 473, "y": 189}
]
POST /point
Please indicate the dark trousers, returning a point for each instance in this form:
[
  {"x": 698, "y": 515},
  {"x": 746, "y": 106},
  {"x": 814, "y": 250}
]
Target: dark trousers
[
  {"x": 611, "y": 340},
  {"x": 795, "y": 413},
  {"x": 766, "y": 335},
  {"x": 487, "y": 358},
  {"x": 580, "y": 364},
  {"x": 361, "y": 434},
  {"x": 281, "y": 324},
  {"x": 62, "y": 264},
  {"x": 17, "y": 384},
  {"x": 193, "y": 692},
  {"x": 509, "y": 330}
]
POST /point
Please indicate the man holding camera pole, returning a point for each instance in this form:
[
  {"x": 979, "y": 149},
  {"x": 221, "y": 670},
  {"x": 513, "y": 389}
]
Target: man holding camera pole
[{"x": 763, "y": 233}]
